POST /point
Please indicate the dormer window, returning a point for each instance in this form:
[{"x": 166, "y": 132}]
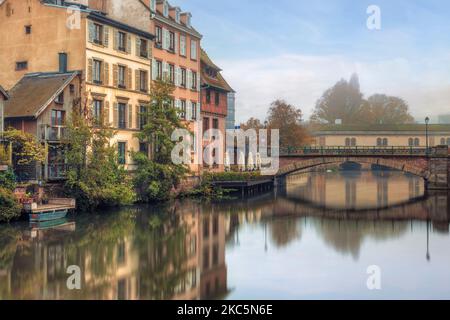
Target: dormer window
[
  {"x": 153, "y": 5},
  {"x": 166, "y": 9},
  {"x": 177, "y": 15},
  {"x": 188, "y": 20}
]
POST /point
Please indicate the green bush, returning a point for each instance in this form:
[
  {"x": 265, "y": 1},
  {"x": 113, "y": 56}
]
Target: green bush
[
  {"x": 232, "y": 176},
  {"x": 8, "y": 179},
  {"x": 9, "y": 207}
]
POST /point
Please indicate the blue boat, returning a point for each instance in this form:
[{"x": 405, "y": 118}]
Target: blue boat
[{"x": 48, "y": 215}]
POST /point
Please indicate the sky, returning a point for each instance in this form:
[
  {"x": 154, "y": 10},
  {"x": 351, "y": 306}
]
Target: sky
[{"x": 296, "y": 49}]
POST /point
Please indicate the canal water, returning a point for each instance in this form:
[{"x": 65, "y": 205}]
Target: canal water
[{"x": 335, "y": 235}]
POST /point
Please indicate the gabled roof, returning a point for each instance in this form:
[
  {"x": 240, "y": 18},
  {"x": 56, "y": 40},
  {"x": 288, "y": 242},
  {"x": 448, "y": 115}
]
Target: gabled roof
[
  {"x": 4, "y": 93},
  {"x": 218, "y": 82},
  {"x": 34, "y": 92},
  {"x": 378, "y": 128}
]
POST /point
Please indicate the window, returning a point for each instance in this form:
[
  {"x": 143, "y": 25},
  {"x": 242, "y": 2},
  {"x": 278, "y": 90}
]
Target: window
[
  {"x": 58, "y": 117},
  {"x": 416, "y": 142},
  {"x": 171, "y": 73},
  {"x": 143, "y": 148},
  {"x": 194, "y": 80},
  {"x": 183, "y": 77},
  {"x": 205, "y": 124},
  {"x": 215, "y": 123},
  {"x": 385, "y": 142},
  {"x": 159, "y": 71},
  {"x": 144, "y": 48},
  {"x": 217, "y": 100},
  {"x": 216, "y": 225},
  {"x": 448, "y": 141},
  {"x": 194, "y": 110},
  {"x": 159, "y": 36},
  {"x": 21, "y": 65},
  {"x": 60, "y": 98},
  {"x": 72, "y": 88},
  {"x": 183, "y": 45},
  {"x": 143, "y": 76},
  {"x": 97, "y": 72},
  {"x": 177, "y": 15},
  {"x": 183, "y": 109},
  {"x": 410, "y": 142},
  {"x": 193, "y": 50},
  {"x": 122, "y": 72},
  {"x": 350, "y": 142},
  {"x": 166, "y": 9},
  {"x": 122, "y": 114},
  {"x": 208, "y": 96},
  {"x": 122, "y": 147},
  {"x": 27, "y": 29},
  {"x": 171, "y": 41},
  {"x": 142, "y": 117},
  {"x": 215, "y": 255},
  {"x": 98, "y": 32},
  {"x": 122, "y": 41},
  {"x": 206, "y": 258},
  {"x": 97, "y": 111}
]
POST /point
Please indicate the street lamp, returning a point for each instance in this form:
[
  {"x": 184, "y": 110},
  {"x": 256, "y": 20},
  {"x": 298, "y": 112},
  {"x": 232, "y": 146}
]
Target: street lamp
[{"x": 427, "y": 121}]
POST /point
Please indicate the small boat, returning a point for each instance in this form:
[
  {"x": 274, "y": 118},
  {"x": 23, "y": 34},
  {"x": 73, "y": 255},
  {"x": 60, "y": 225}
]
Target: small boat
[{"x": 48, "y": 215}]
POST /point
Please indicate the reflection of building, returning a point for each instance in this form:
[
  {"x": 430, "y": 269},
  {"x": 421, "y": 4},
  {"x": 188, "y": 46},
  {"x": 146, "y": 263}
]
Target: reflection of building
[
  {"x": 413, "y": 135},
  {"x": 213, "y": 279}
]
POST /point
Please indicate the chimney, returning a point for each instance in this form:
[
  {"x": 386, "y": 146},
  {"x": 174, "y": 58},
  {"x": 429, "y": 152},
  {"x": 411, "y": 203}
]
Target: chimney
[{"x": 62, "y": 62}]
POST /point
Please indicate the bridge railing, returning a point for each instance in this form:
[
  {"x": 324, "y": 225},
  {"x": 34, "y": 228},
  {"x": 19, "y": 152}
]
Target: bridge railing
[{"x": 330, "y": 151}]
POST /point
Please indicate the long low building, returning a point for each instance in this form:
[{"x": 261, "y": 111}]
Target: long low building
[{"x": 412, "y": 135}]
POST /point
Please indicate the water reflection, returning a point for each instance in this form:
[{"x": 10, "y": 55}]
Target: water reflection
[{"x": 276, "y": 245}]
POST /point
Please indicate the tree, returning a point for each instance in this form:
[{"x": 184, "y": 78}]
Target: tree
[
  {"x": 343, "y": 101},
  {"x": 94, "y": 175},
  {"x": 25, "y": 148},
  {"x": 252, "y": 123},
  {"x": 157, "y": 176},
  {"x": 288, "y": 119},
  {"x": 385, "y": 109}
]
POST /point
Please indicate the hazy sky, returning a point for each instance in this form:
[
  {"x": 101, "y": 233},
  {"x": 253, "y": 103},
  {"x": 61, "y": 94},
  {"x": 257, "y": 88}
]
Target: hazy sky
[{"x": 296, "y": 49}]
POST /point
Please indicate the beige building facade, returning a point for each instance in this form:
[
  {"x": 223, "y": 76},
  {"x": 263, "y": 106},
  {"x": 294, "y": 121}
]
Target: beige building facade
[{"x": 414, "y": 135}]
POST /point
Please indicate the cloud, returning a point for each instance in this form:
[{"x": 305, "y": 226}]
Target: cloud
[{"x": 301, "y": 80}]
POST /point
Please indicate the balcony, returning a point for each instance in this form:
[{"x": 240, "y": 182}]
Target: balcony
[{"x": 53, "y": 133}]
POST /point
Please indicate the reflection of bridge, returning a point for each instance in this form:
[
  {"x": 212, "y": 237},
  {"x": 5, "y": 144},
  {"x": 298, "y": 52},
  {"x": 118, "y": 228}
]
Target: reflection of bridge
[{"x": 432, "y": 164}]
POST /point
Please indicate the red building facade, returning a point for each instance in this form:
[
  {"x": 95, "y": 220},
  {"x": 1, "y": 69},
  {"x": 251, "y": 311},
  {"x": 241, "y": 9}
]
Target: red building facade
[{"x": 214, "y": 104}]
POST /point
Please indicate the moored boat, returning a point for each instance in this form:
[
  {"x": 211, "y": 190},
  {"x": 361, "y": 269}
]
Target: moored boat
[{"x": 48, "y": 215}]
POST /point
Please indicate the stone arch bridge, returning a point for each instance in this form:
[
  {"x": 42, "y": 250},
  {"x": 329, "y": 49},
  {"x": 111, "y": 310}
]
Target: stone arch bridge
[{"x": 430, "y": 164}]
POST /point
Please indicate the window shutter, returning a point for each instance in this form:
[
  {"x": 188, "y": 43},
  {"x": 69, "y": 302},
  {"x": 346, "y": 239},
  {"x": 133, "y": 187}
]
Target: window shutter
[
  {"x": 116, "y": 115},
  {"x": 154, "y": 70},
  {"x": 165, "y": 70},
  {"x": 189, "y": 79},
  {"x": 164, "y": 39},
  {"x": 129, "y": 83},
  {"x": 130, "y": 116},
  {"x": 188, "y": 110},
  {"x": 115, "y": 75},
  {"x": 199, "y": 82},
  {"x": 149, "y": 49},
  {"x": 137, "y": 79},
  {"x": 128, "y": 43},
  {"x": 116, "y": 40},
  {"x": 91, "y": 28},
  {"x": 138, "y": 47},
  {"x": 106, "y": 114},
  {"x": 105, "y": 73},
  {"x": 136, "y": 112},
  {"x": 176, "y": 42},
  {"x": 89, "y": 70},
  {"x": 177, "y": 76},
  {"x": 105, "y": 36}
]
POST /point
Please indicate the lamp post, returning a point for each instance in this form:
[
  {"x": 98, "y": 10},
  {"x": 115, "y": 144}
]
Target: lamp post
[{"x": 427, "y": 121}]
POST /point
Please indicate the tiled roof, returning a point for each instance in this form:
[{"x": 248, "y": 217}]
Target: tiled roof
[
  {"x": 219, "y": 81},
  {"x": 4, "y": 93},
  {"x": 34, "y": 92},
  {"x": 172, "y": 21}
]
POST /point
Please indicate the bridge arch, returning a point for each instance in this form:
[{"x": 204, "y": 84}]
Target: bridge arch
[{"x": 296, "y": 164}]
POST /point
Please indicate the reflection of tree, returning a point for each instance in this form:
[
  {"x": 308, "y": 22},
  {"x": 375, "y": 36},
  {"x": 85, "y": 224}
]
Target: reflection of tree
[
  {"x": 283, "y": 231},
  {"x": 347, "y": 236},
  {"x": 163, "y": 253}
]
